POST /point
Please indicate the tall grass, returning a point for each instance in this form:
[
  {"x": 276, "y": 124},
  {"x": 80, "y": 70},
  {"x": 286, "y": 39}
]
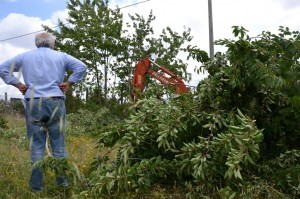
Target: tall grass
[{"x": 15, "y": 166}]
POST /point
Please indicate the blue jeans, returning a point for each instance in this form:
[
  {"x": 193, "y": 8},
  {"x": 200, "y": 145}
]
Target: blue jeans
[{"x": 45, "y": 115}]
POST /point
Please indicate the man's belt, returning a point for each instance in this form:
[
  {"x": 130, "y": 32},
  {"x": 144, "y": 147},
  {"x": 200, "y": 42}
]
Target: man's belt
[{"x": 53, "y": 98}]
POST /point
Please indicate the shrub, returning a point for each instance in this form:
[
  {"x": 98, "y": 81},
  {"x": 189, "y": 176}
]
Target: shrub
[
  {"x": 222, "y": 138},
  {"x": 88, "y": 122},
  {"x": 3, "y": 123}
]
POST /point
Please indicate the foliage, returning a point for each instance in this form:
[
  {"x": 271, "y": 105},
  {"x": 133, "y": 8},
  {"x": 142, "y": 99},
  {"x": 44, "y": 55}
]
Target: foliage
[
  {"x": 260, "y": 77},
  {"x": 17, "y": 133},
  {"x": 3, "y": 123},
  {"x": 73, "y": 103},
  {"x": 11, "y": 113},
  {"x": 225, "y": 138},
  {"x": 89, "y": 122},
  {"x": 18, "y": 107},
  {"x": 61, "y": 167},
  {"x": 236, "y": 147},
  {"x": 11, "y": 108},
  {"x": 285, "y": 170},
  {"x": 111, "y": 179}
]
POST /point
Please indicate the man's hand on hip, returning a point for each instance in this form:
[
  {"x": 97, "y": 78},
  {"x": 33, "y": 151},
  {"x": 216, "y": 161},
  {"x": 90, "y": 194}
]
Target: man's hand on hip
[
  {"x": 65, "y": 86},
  {"x": 22, "y": 88}
]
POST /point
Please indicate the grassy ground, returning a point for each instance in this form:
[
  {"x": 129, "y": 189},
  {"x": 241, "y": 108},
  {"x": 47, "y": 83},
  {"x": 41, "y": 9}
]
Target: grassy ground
[{"x": 15, "y": 167}]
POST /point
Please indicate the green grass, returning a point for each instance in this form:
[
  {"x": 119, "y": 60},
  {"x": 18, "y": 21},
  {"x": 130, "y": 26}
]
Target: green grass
[{"x": 15, "y": 167}]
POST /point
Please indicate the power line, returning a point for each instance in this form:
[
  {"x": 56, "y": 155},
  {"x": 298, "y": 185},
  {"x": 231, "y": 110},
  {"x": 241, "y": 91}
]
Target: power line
[
  {"x": 134, "y": 4},
  {"x": 22, "y": 35},
  {"x": 64, "y": 24}
]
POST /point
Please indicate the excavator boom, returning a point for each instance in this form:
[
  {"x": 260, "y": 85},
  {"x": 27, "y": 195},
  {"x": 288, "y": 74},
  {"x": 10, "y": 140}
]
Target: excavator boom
[{"x": 165, "y": 76}]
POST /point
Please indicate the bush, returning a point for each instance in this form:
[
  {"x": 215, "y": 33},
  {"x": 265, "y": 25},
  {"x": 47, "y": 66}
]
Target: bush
[
  {"x": 221, "y": 139},
  {"x": 88, "y": 122},
  {"x": 3, "y": 123},
  {"x": 10, "y": 108}
]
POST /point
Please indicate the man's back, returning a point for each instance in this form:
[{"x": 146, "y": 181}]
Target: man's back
[{"x": 44, "y": 69}]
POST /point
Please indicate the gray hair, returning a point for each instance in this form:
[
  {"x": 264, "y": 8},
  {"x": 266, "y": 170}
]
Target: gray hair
[{"x": 44, "y": 39}]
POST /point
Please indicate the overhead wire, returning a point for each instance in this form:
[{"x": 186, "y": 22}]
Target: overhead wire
[{"x": 15, "y": 37}]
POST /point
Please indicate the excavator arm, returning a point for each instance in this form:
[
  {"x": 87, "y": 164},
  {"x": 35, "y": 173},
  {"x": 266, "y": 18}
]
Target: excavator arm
[{"x": 164, "y": 75}]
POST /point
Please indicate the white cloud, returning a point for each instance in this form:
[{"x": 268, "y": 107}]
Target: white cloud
[
  {"x": 254, "y": 15},
  {"x": 17, "y": 28},
  {"x": 8, "y": 51},
  {"x": 61, "y": 15},
  {"x": 12, "y": 29},
  {"x": 290, "y": 4}
]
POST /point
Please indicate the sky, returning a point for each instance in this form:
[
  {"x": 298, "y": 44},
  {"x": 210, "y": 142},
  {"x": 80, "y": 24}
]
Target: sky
[{"x": 23, "y": 17}]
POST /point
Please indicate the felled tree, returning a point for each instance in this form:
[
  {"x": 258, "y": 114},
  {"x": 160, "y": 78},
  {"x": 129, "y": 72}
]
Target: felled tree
[{"x": 222, "y": 139}]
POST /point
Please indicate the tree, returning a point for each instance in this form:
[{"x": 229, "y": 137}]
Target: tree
[
  {"x": 261, "y": 74},
  {"x": 167, "y": 49},
  {"x": 92, "y": 34},
  {"x": 95, "y": 34},
  {"x": 225, "y": 140}
]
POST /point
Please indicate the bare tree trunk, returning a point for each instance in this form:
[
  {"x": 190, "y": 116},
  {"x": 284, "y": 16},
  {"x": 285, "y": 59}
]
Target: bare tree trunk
[
  {"x": 105, "y": 78},
  {"x": 98, "y": 80}
]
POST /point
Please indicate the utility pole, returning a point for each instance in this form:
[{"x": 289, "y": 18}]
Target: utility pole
[{"x": 211, "y": 31}]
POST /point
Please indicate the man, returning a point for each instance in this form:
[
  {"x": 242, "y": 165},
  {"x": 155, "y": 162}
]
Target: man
[{"x": 44, "y": 91}]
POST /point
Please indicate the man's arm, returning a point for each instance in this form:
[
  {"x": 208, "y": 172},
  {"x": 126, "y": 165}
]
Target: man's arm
[
  {"x": 6, "y": 71},
  {"x": 77, "y": 67}
]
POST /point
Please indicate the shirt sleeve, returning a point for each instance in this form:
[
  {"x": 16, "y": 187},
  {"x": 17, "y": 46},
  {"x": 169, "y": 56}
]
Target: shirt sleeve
[
  {"x": 77, "y": 67},
  {"x": 8, "y": 67}
]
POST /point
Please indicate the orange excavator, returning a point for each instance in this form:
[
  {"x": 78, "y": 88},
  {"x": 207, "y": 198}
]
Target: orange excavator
[{"x": 164, "y": 75}]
